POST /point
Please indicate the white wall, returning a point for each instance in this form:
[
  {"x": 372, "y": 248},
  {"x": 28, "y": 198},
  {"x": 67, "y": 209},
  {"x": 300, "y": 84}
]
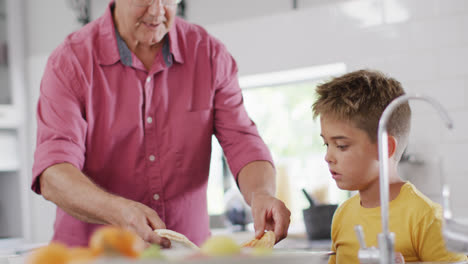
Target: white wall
[
  {"x": 423, "y": 43},
  {"x": 207, "y": 12}
]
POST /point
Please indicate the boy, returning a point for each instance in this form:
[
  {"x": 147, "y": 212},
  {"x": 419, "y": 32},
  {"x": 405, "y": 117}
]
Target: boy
[{"x": 350, "y": 107}]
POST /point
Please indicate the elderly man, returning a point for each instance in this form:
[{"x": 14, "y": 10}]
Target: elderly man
[{"x": 126, "y": 113}]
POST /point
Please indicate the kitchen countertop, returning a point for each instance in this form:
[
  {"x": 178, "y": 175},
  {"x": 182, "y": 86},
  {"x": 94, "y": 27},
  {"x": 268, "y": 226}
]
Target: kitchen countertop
[
  {"x": 295, "y": 249},
  {"x": 8, "y": 244},
  {"x": 300, "y": 242},
  {"x": 305, "y": 259},
  {"x": 293, "y": 241}
]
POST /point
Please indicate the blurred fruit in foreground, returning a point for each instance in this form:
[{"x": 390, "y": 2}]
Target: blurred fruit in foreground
[
  {"x": 220, "y": 246},
  {"x": 54, "y": 253},
  {"x": 261, "y": 251},
  {"x": 116, "y": 241},
  {"x": 80, "y": 255},
  {"x": 152, "y": 252}
]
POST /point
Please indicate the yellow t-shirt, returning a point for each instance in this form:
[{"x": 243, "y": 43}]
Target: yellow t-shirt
[{"x": 414, "y": 218}]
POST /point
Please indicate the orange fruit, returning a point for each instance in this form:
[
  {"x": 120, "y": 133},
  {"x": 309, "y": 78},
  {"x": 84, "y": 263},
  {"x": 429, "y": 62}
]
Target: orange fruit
[
  {"x": 54, "y": 253},
  {"x": 116, "y": 241}
]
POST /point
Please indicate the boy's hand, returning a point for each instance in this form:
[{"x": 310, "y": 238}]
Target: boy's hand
[{"x": 270, "y": 213}]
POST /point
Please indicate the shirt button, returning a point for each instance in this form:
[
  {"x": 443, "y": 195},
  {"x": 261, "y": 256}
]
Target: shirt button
[
  {"x": 149, "y": 120},
  {"x": 156, "y": 197},
  {"x": 148, "y": 79},
  {"x": 152, "y": 158}
]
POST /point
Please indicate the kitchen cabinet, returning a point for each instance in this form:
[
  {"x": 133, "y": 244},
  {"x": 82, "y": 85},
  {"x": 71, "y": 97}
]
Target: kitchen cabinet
[{"x": 14, "y": 220}]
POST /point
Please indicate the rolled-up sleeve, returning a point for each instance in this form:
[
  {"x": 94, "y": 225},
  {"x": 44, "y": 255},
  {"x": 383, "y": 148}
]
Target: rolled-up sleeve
[
  {"x": 61, "y": 124},
  {"x": 235, "y": 131}
]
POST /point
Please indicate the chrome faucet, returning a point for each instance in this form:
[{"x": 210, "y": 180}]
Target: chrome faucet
[
  {"x": 386, "y": 253},
  {"x": 455, "y": 233},
  {"x": 366, "y": 255}
]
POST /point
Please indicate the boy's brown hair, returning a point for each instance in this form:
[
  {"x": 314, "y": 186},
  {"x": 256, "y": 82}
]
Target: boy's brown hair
[{"x": 361, "y": 97}]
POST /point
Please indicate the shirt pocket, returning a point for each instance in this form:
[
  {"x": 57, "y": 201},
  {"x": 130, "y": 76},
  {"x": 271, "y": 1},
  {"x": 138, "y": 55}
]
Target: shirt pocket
[
  {"x": 194, "y": 138},
  {"x": 200, "y": 99}
]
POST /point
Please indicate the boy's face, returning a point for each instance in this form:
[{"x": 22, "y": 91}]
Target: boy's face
[{"x": 352, "y": 158}]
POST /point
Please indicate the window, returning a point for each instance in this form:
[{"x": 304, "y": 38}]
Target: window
[{"x": 280, "y": 105}]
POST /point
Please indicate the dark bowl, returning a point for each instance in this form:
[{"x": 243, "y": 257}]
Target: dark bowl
[{"x": 317, "y": 220}]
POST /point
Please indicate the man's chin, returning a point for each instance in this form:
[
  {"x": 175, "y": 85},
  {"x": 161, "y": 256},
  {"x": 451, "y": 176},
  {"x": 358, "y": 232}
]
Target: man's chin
[
  {"x": 157, "y": 38},
  {"x": 152, "y": 40}
]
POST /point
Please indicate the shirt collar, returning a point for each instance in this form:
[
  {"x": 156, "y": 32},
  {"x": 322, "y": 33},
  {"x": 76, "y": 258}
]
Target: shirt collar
[
  {"x": 107, "y": 50},
  {"x": 120, "y": 51},
  {"x": 174, "y": 41},
  {"x": 124, "y": 51}
]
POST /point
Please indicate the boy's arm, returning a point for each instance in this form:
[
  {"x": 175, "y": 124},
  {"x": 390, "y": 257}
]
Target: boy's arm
[{"x": 431, "y": 244}]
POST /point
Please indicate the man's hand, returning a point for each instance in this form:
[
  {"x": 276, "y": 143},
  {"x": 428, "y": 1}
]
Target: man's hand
[
  {"x": 269, "y": 213},
  {"x": 257, "y": 184},
  {"x": 85, "y": 201},
  {"x": 141, "y": 220}
]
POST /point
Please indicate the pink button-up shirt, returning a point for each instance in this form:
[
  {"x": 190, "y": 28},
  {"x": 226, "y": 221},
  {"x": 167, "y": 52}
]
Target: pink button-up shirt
[{"x": 144, "y": 135}]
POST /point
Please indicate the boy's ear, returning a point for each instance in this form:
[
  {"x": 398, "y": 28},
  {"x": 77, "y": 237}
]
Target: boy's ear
[{"x": 392, "y": 144}]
